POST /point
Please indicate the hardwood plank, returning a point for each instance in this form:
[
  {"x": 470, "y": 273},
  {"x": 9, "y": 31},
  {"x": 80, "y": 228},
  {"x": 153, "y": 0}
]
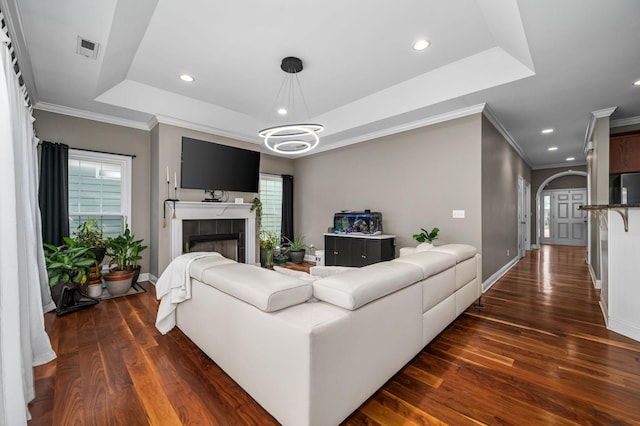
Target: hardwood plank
[{"x": 537, "y": 353}]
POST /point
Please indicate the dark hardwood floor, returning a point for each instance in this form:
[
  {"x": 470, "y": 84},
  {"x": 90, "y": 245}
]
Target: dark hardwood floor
[{"x": 538, "y": 353}]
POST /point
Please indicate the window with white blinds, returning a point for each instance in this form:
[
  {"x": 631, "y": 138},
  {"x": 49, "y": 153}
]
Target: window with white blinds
[
  {"x": 99, "y": 188},
  {"x": 271, "y": 197}
]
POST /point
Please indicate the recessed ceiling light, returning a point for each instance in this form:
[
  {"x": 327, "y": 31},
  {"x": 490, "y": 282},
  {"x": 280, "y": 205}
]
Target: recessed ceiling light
[
  {"x": 421, "y": 44},
  {"x": 552, "y": 148},
  {"x": 545, "y": 131},
  {"x": 636, "y": 83},
  {"x": 282, "y": 111},
  {"x": 570, "y": 158},
  {"x": 186, "y": 77}
]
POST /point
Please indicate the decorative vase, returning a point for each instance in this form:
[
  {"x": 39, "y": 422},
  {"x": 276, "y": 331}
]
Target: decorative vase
[
  {"x": 268, "y": 254},
  {"x": 118, "y": 282}
]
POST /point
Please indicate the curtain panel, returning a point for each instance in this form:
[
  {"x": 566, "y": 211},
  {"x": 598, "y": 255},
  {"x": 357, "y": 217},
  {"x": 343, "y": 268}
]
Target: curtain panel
[
  {"x": 287, "y": 207},
  {"x": 23, "y": 277},
  {"x": 54, "y": 192}
]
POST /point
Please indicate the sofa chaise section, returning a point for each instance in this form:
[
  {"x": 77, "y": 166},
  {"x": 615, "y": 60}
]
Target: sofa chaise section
[{"x": 312, "y": 363}]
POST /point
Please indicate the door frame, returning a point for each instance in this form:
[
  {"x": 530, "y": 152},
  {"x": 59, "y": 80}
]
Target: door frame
[
  {"x": 524, "y": 216},
  {"x": 539, "y": 193}
]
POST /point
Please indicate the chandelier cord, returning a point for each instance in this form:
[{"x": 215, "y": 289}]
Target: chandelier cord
[{"x": 304, "y": 101}]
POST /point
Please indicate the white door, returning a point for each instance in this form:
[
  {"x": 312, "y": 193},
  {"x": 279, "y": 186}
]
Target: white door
[{"x": 562, "y": 222}]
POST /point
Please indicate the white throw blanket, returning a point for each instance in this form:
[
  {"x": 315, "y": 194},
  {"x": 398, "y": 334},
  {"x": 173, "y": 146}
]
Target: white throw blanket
[{"x": 174, "y": 287}]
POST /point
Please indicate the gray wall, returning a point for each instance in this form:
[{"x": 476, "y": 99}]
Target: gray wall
[
  {"x": 415, "y": 179},
  {"x": 501, "y": 166},
  {"x": 88, "y": 134}
]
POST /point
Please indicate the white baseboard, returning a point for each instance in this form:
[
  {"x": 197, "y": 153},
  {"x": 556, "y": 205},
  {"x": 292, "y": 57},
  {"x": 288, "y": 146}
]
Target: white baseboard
[
  {"x": 629, "y": 330},
  {"x": 605, "y": 313},
  {"x": 148, "y": 277},
  {"x": 596, "y": 282},
  {"x": 486, "y": 285}
]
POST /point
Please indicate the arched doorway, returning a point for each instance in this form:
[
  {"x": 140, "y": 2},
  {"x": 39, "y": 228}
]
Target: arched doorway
[{"x": 539, "y": 195}]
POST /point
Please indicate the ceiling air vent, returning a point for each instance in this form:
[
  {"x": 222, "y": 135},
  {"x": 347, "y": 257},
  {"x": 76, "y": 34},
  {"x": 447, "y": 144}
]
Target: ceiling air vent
[{"x": 87, "y": 48}]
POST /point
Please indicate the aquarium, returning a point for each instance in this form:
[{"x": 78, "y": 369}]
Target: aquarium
[{"x": 350, "y": 222}]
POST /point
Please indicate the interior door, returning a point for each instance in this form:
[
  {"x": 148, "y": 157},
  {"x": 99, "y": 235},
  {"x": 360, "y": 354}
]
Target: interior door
[{"x": 562, "y": 221}]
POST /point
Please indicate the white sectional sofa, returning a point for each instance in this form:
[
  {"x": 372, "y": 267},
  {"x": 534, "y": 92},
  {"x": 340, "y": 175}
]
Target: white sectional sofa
[{"x": 312, "y": 351}]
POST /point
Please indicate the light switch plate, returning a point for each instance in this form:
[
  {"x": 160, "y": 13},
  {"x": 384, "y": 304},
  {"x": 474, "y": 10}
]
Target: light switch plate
[{"x": 458, "y": 214}]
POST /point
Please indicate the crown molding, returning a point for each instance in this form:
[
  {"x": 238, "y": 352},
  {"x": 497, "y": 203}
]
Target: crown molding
[
  {"x": 73, "y": 112},
  {"x": 505, "y": 133},
  {"x": 625, "y": 122},
  {"x": 177, "y": 122},
  {"x": 561, "y": 165},
  {"x": 464, "y": 112},
  {"x": 595, "y": 115}
]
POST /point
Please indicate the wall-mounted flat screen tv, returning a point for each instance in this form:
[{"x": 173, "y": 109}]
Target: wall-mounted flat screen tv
[{"x": 211, "y": 166}]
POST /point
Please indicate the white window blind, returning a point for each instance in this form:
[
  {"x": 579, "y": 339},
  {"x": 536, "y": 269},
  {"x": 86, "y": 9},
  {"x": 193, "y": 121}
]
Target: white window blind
[
  {"x": 99, "y": 188},
  {"x": 271, "y": 197}
]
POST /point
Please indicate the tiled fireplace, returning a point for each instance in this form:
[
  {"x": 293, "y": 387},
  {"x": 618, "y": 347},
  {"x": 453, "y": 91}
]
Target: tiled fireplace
[{"x": 227, "y": 228}]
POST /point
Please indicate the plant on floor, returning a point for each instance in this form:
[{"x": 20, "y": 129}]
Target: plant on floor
[
  {"x": 296, "y": 244},
  {"x": 427, "y": 236},
  {"x": 125, "y": 250},
  {"x": 89, "y": 234},
  {"x": 296, "y": 249},
  {"x": 269, "y": 239},
  {"x": 268, "y": 242},
  {"x": 67, "y": 263}
]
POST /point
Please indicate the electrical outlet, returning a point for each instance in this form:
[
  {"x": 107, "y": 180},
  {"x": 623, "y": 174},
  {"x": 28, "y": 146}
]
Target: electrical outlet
[
  {"x": 507, "y": 252},
  {"x": 458, "y": 214}
]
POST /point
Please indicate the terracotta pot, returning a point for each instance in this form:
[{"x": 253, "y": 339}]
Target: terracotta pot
[{"x": 118, "y": 282}]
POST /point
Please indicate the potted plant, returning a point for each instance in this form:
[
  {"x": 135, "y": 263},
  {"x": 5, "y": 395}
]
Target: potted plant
[
  {"x": 426, "y": 237},
  {"x": 124, "y": 251},
  {"x": 296, "y": 249},
  {"x": 268, "y": 242},
  {"x": 67, "y": 267},
  {"x": 89, "y": 234}
]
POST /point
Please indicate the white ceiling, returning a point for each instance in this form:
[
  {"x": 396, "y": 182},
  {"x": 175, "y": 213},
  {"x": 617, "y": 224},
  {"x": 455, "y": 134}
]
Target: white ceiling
[{"x": 534, "y": 63}]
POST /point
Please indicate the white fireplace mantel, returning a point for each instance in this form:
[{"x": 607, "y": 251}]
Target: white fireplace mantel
[{"x": 194, "y": 210}]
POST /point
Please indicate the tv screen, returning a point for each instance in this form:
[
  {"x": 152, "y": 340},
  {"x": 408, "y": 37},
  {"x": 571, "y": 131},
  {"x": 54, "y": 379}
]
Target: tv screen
[{"x": 211, "y": 166}]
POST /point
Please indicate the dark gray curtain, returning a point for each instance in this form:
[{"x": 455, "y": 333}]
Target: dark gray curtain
[
  {"x": 53, "y": 192},
  {"x": 287, "y": 206}
]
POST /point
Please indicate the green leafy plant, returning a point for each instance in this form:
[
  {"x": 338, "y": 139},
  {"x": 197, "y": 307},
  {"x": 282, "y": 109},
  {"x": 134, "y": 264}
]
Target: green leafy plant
[
  {"x": 68, "y": 263},
  {"x": 124, "y": 250},
  {"x": 269, "y": 239},
  {"x": 256, "y": 205},
  {"x": 426, "y": 236},
  {"x": 89, "y": 234},
  {"x": 296, "y": 244}
]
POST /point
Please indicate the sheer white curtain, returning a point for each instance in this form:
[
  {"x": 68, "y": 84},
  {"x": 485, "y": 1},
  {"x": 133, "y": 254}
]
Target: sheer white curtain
[{"x": 23, "y": 340}]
